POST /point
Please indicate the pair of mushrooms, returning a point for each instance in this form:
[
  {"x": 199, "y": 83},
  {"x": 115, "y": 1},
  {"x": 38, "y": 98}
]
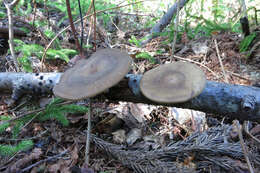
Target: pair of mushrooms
[{"x": 168, "y": 83}]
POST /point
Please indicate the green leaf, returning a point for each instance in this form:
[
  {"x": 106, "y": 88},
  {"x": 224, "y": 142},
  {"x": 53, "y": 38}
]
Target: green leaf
[
  {"x": 9, "y": 150},
  {"x": 56, "y": 112},
  {"x": 245, "y": 43},
  {"x": 54, "y": 54},
  {"x": 147, "y": 56},
  {"x": 133, "y": 40},
  {"x": 3, "y": 127},
  {"x": 26, "y": 63}
]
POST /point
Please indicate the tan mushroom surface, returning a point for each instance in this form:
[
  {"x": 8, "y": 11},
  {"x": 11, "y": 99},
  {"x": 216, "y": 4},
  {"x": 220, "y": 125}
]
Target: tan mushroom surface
[
  {"x": 173, "y": 83},
  {"x": 90, "y": 77}
]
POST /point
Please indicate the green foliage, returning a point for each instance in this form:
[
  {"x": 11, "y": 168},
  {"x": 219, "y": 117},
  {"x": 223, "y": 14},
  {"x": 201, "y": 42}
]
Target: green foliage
[
  {"x": 29, "y": 50},
  {"x": 99, "y": 5},
  {"x": 50, "y": 34},
  {"x": 53, "y": 111},
  {"x": 24, "y": 7},
  {"x": 147, "y": 56},
  {"x": 9, "y": 150},
  {"x": 134, "y": 41},
  {"x": 62, "y": 54},
  {"x": 17, "y": 128},
  {"x": 4, "y": 126},
  {"x": 18, "y": 124},
  {"x": 2, "y": 14},
  {"x": 246, "y": 42}
]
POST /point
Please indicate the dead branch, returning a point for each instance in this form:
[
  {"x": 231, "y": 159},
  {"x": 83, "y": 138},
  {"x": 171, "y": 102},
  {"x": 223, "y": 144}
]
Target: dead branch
[
  {"x": 164, "y": 21},
  {"x": 9, "y": 7}
]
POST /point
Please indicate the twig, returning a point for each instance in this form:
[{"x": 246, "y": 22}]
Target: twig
[
  {"x": 44, "y": 160},
  {"x": 82, "y": 26},
  {"x": 220, "y": 61},
  {"x": 242, "y": 142},
  {"x": 49, "y": 45},
  {"x": 95, "y": 19},
  {"x": 175, "y": 31},
  {"x": 88, "y": 134},
  {"x": 73, "y": 28},
  {"x": 195, "y": 62},
  {"x": 246, "y": 129},
  {"x": 9, "y": 7},
  {"x": 2, "y": 139},
  {"x": 238, "y": 75}
]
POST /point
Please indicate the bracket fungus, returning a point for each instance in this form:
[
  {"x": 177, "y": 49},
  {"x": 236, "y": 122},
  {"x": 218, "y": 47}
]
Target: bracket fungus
[
  {"x": 90, "y": 77},
  {"x": 173, "y": 83}
]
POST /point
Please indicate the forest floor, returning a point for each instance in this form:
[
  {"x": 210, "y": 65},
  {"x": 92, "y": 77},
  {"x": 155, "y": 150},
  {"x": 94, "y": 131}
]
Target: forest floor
[{"x": 51, "y": 138}]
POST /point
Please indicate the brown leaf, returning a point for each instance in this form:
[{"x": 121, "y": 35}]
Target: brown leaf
[
  {"x": 74, "y": 154},
  {"x": 61, "y": 166}
]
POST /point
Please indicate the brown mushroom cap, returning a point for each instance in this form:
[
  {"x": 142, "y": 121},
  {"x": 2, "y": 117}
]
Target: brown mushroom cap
[
  {"x": 173, "y": 83},
  {"x": 92, "y": 76}
]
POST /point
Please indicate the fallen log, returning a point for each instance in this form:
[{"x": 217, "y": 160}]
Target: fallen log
[{"x": 233, "y": 101}]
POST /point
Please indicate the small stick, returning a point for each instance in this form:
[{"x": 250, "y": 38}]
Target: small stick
[
  {"x": 2, "y": 139},
  {"x": 73, "y": 28},
  {"x": 195, "y": 62},
  {"x": 242, "y": 143},
  {"x": 175, "y": 31},
  {"x": 44, "y": 160},
  {"x": 88, "y": 134},
  {"x": 220, "y": 61},
  {"x": 9, "y": 7},
  {"x": 246, "y": 129},
  {"x": 239, "y": 76}
]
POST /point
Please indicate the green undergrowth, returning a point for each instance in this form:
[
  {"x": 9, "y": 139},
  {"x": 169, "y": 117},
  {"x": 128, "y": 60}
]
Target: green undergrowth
[
  {"x": 246, "y": 42},
  {"x": 29, "y": 50},
  {"x": 53, "y": 111},
  {"x": 9, "y": 150}
]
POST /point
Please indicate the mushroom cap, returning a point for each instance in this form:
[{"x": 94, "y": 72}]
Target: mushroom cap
[
  {"x": 89, "y": 77},
  {"x": 173, "y": 83}
]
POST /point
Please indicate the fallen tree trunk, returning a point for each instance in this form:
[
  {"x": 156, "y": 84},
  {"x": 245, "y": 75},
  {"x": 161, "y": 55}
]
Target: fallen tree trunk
[{"x": 233, "y": 101}]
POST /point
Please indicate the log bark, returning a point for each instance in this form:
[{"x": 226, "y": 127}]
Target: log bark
[{"x": 233, "y": 101}]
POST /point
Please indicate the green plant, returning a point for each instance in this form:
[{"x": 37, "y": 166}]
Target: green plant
[
  {"x": 147, "y": 56},
  {"x": 4, "y": 126},
  {"x": 9, "y": 150},
  {"x": 246, "y": 42},
  {"x": 57, "y": 112},
  {"x": 134, "y": 41},
  {"x": 29, "y": 50},
  {"x": 53, "y": 111}
]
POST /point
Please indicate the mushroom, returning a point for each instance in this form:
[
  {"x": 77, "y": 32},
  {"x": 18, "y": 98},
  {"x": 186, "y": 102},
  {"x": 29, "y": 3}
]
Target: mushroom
[
  {"x": 173, "y": 83},
  {"x": 92, "y": 76}
]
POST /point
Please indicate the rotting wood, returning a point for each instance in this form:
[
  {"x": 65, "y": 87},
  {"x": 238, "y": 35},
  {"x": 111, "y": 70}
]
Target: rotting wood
[{"x": 233, "y": 101}]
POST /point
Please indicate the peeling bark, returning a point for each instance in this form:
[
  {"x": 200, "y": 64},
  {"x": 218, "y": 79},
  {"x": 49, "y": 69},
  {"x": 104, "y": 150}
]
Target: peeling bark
[{"x": 234, "y": 101}]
